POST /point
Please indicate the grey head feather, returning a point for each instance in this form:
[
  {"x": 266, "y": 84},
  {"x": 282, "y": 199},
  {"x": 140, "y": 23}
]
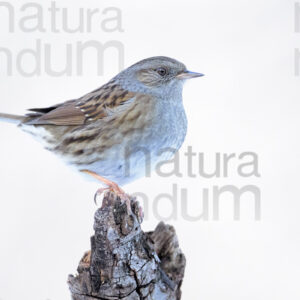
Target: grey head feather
[{"x": 130, "y": 78}]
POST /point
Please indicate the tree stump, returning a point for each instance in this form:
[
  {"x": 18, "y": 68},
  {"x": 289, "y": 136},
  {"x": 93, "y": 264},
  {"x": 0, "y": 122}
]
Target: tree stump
[{"x": 126, "y": 263}]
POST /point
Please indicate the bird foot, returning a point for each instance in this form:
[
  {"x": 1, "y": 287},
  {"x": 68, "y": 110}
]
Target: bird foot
[
  {"x": 119, "y": 192},
  {"x": 112, "y": 186}
]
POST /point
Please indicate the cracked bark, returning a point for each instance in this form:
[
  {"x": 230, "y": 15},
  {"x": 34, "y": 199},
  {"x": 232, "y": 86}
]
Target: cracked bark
[{"x": 126, "y": 263}]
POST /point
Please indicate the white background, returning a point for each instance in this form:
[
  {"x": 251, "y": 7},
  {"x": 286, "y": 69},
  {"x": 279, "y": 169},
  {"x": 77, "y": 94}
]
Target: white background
[{"x": 248, "y": 101}]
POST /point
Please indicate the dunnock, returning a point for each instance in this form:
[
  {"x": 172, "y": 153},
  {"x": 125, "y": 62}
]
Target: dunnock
[{"x": 118, "y": 131}]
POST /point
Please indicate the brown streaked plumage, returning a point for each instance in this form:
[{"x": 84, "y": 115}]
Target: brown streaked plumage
[
  {"x": 88, "y": 108},
  {"x": 119, "y": 129}
]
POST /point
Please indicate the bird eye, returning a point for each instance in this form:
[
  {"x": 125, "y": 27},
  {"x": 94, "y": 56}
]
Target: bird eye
[{"x": 161, "y": 71}]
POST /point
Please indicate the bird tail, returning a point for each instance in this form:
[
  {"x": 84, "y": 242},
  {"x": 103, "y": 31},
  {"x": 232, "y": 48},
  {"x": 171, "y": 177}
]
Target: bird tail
[{"x": 11, "y": 118}]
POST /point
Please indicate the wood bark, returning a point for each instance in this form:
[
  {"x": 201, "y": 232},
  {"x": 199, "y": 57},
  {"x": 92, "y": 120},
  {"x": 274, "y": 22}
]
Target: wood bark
[{"x": 126, "y": 263}]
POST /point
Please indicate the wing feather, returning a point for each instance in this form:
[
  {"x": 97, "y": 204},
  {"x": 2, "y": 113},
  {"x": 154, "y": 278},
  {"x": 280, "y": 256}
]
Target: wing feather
[{"x": 93, "y": 106}]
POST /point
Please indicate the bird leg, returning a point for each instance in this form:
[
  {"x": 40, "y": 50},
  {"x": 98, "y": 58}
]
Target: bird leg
[{"x": 112, "y": 186}]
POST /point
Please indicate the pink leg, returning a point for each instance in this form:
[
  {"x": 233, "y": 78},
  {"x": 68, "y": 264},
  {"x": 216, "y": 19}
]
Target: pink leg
[{"x": 112, "y": 186}]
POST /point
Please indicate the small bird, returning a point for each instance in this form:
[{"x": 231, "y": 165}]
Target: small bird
[{"x": 121, "y": 130}]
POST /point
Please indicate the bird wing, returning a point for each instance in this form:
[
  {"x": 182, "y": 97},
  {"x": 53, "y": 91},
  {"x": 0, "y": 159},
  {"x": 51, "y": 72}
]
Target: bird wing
[{"x": 96, "y": 105}]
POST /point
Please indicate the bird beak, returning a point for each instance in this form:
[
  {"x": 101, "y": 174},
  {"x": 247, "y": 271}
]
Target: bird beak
[{"x": 188, "y": 75}]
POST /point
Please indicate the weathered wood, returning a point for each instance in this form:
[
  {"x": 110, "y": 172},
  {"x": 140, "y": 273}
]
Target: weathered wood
[{"x": 126, "y": 263}]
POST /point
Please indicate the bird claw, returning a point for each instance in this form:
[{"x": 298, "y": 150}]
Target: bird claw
[
  {"x": 119, "y": 192},
  {"x": 112, "y": 186},
  {"x": 99, "y": 193}
]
